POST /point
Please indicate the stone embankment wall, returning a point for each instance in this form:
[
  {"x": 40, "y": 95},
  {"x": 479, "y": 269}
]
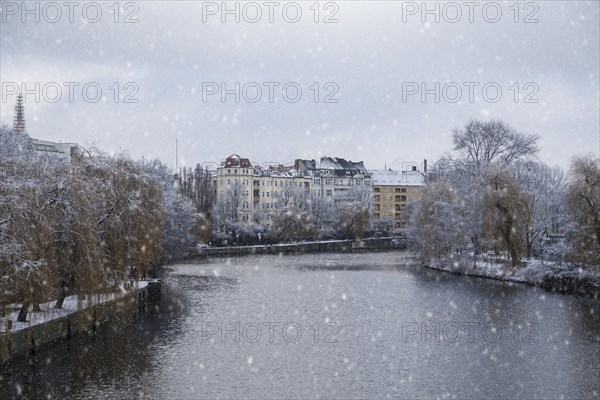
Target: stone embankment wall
[
  {"x": 375, "y": 244},
  {"x": 113, "y": 313}
]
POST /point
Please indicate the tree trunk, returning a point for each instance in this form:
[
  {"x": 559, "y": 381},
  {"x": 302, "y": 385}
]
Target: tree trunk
[
  {"x": 60, "y": 300},
  {"x": 23, "y": 312},
  {"x": 36, "y": 307},
  {"x": 528, "y": 241}
]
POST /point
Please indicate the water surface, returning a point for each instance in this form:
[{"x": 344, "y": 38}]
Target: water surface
[{"x": 330, "y": 326}]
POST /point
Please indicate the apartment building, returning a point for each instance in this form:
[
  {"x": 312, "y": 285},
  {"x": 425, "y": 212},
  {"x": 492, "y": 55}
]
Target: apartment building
[
  {"x": 257, "y": 192},
  {"x": 393, "y": 189},
  {"x": 336, "y": 177},
  {"x": 235, "y": 182}
]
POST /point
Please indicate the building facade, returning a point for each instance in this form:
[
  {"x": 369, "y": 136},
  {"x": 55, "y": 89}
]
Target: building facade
[
  {"x": 392, "y": 190},
  {"x": 336, "y": 178},
  {"x": 248, "y": 193}
]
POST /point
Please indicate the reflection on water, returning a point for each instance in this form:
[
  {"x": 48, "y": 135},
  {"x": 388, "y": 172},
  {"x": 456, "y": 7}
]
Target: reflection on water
[{"x": 330, "y": 326}]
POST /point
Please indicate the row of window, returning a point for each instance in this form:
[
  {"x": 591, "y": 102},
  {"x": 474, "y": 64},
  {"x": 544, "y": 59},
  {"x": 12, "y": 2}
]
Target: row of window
[
  {"x": 286, "y": 183},
  {"x": 235, "y": 171},
  {"x": 390, "y": 190},
  {"x": 396, "y": 215},
  {"x": 341, "y": 182},
  {"x": 396, "y": 207},
  {"x": 389, "y": 198}
]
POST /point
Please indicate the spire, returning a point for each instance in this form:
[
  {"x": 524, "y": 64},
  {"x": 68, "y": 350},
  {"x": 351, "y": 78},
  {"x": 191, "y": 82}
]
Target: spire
[{"x": 19, "y": 123}]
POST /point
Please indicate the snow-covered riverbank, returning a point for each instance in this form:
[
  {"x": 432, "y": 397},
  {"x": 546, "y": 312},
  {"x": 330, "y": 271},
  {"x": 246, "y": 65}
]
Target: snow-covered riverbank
[
  {"x": 77, "y": 317},
  {"x": 70, "y": 306},
  {"x": 534, "y": 272}
]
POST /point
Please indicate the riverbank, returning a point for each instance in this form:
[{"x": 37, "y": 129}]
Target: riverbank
[
  {"x": 342, "y": 246},
  {"x": 554, "y": 278},
  {"x": 51, "y": 325}
]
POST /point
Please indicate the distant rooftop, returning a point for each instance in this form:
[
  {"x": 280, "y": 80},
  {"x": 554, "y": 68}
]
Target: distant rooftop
[
  {"x": 397, "y": 178},
  {"x": 235, "y": 160}
]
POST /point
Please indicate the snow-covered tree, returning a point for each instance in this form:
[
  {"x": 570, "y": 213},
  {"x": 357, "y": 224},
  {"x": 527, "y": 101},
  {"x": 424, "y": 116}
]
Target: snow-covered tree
[
  {"x": 505, "y": 205},
  {"x": 290, "y": 224},
  {"x": 583, "y": 199},
  {"x": 437, "y": 225},
  {"x": 546, "y": 187},
  {"x": 180, "y": 225}
]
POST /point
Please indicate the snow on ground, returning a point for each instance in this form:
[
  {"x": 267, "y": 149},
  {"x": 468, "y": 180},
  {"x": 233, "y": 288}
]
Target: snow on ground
[
  {"x": 531, "y": 271},
  {"x": 70, "y": 306}
]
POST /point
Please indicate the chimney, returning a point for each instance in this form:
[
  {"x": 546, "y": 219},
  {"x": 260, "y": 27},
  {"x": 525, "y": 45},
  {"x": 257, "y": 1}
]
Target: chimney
[{"x": 425, "y": 166}]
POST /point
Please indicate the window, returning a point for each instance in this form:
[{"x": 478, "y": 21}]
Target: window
[
  {"x": 317, "y": 181},
  {"x": 376, "y": 197},
  {"x": 328, "y": 192},
  {"x": 397, "y": 198},
  {"x": 228, "y": 171},
  {"x": 403, "y": 190},
  {"x": 328, "y": 181},
  {"x": 397, "y": 190},
  {"x": 376, "y": 190},
  {"x": 367, "y": 182},
  {"x": 402, "y": 198}
]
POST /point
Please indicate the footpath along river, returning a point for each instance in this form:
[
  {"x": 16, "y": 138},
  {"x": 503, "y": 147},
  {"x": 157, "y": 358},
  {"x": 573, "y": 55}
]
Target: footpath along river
[{"x": 330, "y": 326}]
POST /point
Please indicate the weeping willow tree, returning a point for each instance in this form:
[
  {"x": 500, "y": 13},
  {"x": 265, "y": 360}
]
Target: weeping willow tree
[
  {"x": 583, "y": 199},
  {"x": 504, "y": 204},
  {"x": 80, "y": 227}
]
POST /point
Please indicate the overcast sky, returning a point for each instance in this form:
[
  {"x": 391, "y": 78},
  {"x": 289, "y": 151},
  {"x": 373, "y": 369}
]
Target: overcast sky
[{"x": 375, "y": 53}]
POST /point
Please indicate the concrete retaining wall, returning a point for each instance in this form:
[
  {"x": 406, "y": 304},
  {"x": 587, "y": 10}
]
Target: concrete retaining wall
[
  {"x": 114, "y": 313},
  {"x": 371, "y": 244}
]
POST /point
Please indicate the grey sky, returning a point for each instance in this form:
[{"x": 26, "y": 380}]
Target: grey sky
[{"x": 369, "y": 53}]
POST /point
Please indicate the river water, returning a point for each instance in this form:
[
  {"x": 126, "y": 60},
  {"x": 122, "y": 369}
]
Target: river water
[{"x": 329, "y": 326}]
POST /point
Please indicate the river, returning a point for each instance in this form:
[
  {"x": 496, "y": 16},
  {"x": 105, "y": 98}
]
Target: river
[{"x": 329, "y": 326}]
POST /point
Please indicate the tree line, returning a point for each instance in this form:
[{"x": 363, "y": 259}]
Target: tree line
[
  {"x": 492, "y": 194},
  {"x": 85, "y": 226}
]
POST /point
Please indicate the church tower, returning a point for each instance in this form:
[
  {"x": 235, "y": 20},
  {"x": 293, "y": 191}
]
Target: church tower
[{"x": 19, "y": 123}]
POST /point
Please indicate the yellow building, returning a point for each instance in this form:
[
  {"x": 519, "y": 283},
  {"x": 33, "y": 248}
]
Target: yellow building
[{"x": 392, "y": 190}]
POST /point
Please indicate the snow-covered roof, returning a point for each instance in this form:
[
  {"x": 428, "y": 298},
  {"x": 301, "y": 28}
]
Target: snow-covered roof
[
  {"x": 336, "y": 163},
  {"x": 397, "y": 178},
  {"x": 235, "y": 160}
]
